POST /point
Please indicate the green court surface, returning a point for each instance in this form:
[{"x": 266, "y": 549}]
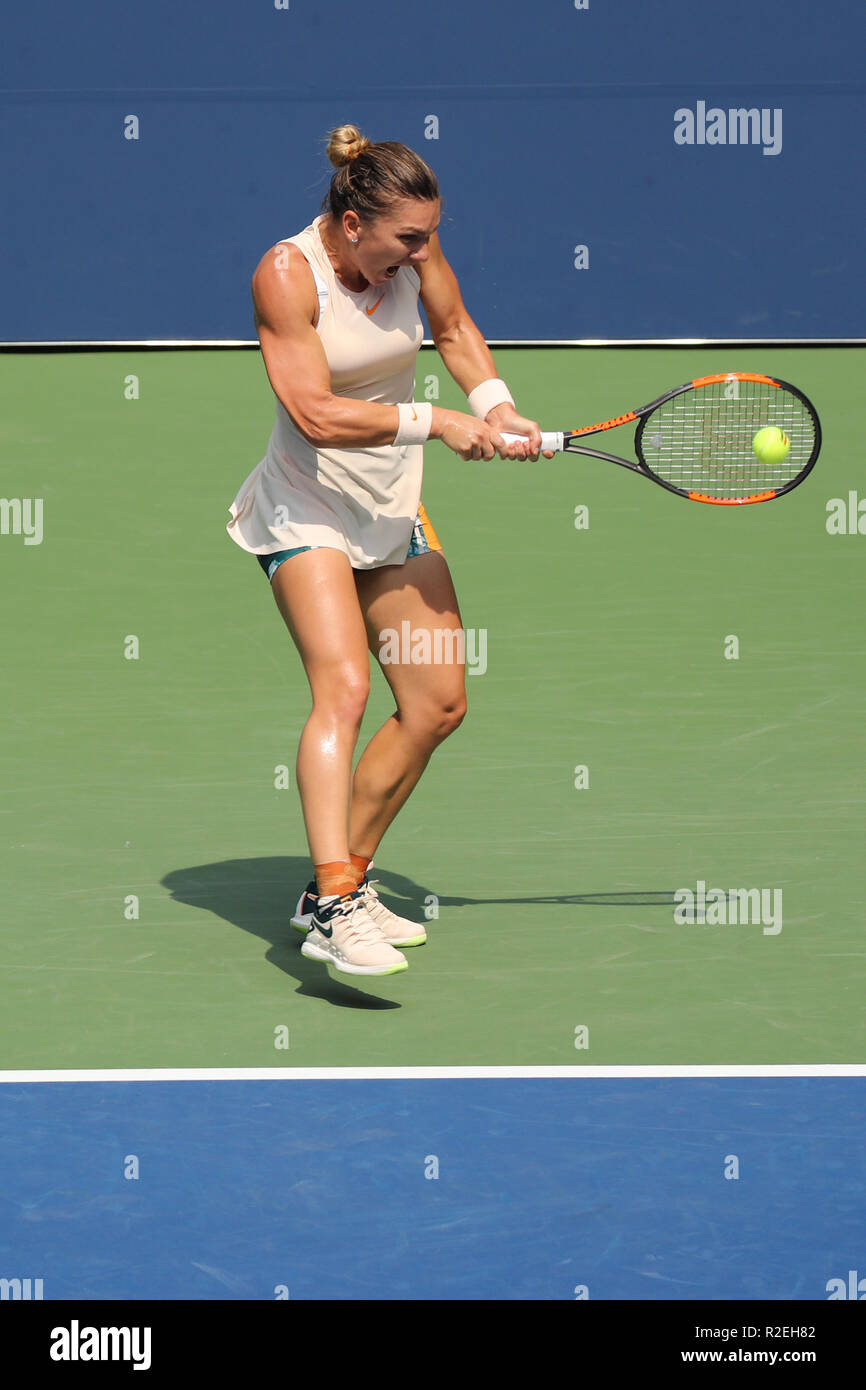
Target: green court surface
[{"x": 154, "y": 778}]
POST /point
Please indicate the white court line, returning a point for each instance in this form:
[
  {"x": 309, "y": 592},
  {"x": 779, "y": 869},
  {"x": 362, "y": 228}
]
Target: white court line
[
  {"x": 85, "y": 343},
  {"x": 431, "y": 1073}
]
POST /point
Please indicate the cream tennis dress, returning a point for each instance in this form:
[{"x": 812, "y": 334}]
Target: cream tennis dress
[{"x": 361, "y": 501}]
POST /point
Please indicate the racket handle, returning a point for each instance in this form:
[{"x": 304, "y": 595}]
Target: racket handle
[{"x": 551, "y": 442}]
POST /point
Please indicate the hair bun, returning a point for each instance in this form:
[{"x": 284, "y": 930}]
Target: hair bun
[
  {"x": 345, "y": 144},
  {"x": 388, "y": 173}
]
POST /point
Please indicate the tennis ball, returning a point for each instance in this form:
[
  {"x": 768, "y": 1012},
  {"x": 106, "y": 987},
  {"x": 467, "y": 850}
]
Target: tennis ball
[{"x": 771, "y": 444}]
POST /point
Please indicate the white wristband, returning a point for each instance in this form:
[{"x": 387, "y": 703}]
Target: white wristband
[
  {"x": 416, "y": 421},
  {"x": 489, "y": 394}
]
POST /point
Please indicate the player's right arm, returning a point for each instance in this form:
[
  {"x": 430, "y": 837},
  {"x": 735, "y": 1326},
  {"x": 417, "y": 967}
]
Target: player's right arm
[{"x": 285, "y": 304}]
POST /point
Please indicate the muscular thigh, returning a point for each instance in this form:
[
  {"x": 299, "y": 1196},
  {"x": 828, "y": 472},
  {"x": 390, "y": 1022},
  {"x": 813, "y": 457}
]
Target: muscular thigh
[
  {"x": 316, "y": 595},
  {"x": 411, "y": 611}
]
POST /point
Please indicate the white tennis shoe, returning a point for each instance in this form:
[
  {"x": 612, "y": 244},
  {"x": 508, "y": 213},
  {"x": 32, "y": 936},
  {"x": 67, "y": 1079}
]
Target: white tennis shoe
[
  {"x": 399, "y": 931},
  {"x": 342, "y": 934}
]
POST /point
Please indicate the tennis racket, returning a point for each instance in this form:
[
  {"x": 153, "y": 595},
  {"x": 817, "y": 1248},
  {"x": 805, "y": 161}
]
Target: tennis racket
[{"x": 696, "y": 440}]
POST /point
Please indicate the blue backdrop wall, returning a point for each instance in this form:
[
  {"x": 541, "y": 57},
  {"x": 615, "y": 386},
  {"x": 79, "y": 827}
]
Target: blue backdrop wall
[{"x": 611, "y": 168}]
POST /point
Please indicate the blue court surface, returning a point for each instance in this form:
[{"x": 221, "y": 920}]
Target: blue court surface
[{"x": 513, "y": 1188}]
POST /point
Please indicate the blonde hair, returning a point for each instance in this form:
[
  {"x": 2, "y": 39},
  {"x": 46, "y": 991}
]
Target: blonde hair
[{"x": 370, "y": 177}]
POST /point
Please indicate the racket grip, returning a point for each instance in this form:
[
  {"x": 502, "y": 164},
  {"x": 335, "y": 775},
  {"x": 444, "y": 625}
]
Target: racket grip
[{"x": 551, "y": 442}]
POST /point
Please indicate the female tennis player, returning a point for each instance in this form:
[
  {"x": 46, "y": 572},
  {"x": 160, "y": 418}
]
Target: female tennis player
[{"x": 333, "y": 513}]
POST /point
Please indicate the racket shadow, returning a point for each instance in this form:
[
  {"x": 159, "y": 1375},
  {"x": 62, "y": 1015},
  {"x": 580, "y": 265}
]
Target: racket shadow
[
  {"x": 398, "y": 886},
  {"x": 638, "y": 898}
]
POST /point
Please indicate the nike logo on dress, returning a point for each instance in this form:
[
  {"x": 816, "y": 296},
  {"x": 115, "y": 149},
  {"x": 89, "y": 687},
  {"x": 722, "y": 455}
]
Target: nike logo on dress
[{"x": 376, "y": 305}]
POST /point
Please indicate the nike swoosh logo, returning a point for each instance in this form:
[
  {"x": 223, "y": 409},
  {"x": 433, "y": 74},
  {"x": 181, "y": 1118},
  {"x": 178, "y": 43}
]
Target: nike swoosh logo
[
  {"x": 376, "y": 305},
  {"x": 326, "y": 931}
]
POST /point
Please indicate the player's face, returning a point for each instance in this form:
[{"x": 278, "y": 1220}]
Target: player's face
[{"x": 399, "y": 237}]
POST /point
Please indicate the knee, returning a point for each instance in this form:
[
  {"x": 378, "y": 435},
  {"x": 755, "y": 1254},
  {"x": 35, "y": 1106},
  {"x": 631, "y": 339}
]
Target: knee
[
  {"x": 442, "y": 718},
  {"x": 343, "y": 696},
  {"x": 452, "y": 715}
]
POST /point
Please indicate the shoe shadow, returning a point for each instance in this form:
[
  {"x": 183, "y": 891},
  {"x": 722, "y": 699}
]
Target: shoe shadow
[{"x": 259, "y": 897}]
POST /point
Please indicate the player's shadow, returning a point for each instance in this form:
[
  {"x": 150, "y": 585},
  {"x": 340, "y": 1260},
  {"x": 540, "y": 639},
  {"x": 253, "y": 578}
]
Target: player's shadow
[{"x": 260, "y": 895}]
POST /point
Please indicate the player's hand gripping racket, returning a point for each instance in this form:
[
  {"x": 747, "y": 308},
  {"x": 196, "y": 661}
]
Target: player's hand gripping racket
[{"x": 699, "y": 439}]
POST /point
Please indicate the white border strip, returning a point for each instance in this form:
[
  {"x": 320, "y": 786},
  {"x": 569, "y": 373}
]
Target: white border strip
[
  {"x": 428, "y": 342},
  {"x": 430, "y": 1073},
  {"x": 130, "y": 342}
]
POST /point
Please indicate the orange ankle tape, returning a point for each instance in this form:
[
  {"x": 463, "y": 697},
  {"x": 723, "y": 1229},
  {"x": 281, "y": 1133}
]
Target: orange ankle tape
[
  {"x": 360, "y": 864},
  {"x": 335, "y": 877}
]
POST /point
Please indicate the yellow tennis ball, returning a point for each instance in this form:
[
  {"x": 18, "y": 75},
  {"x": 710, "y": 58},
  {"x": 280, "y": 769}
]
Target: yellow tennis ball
[{"x": 771, "y": 444}]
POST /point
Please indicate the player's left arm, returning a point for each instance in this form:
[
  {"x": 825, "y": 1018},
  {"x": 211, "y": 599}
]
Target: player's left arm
[{"x": 462, "y": 347}]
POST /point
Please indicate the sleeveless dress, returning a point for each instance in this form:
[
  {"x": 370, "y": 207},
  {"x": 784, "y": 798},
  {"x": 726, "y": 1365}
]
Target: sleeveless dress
[{"x": 363, "y": 501}]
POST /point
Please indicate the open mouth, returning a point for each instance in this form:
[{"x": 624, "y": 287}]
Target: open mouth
[{"x": 392, "y": 271}]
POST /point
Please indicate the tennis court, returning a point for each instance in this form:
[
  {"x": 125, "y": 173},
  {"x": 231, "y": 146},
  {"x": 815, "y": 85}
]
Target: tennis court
[{"x": 605, "y": 650}]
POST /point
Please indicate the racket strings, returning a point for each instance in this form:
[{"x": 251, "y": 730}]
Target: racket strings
[{"x": 701, "y": 441}]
